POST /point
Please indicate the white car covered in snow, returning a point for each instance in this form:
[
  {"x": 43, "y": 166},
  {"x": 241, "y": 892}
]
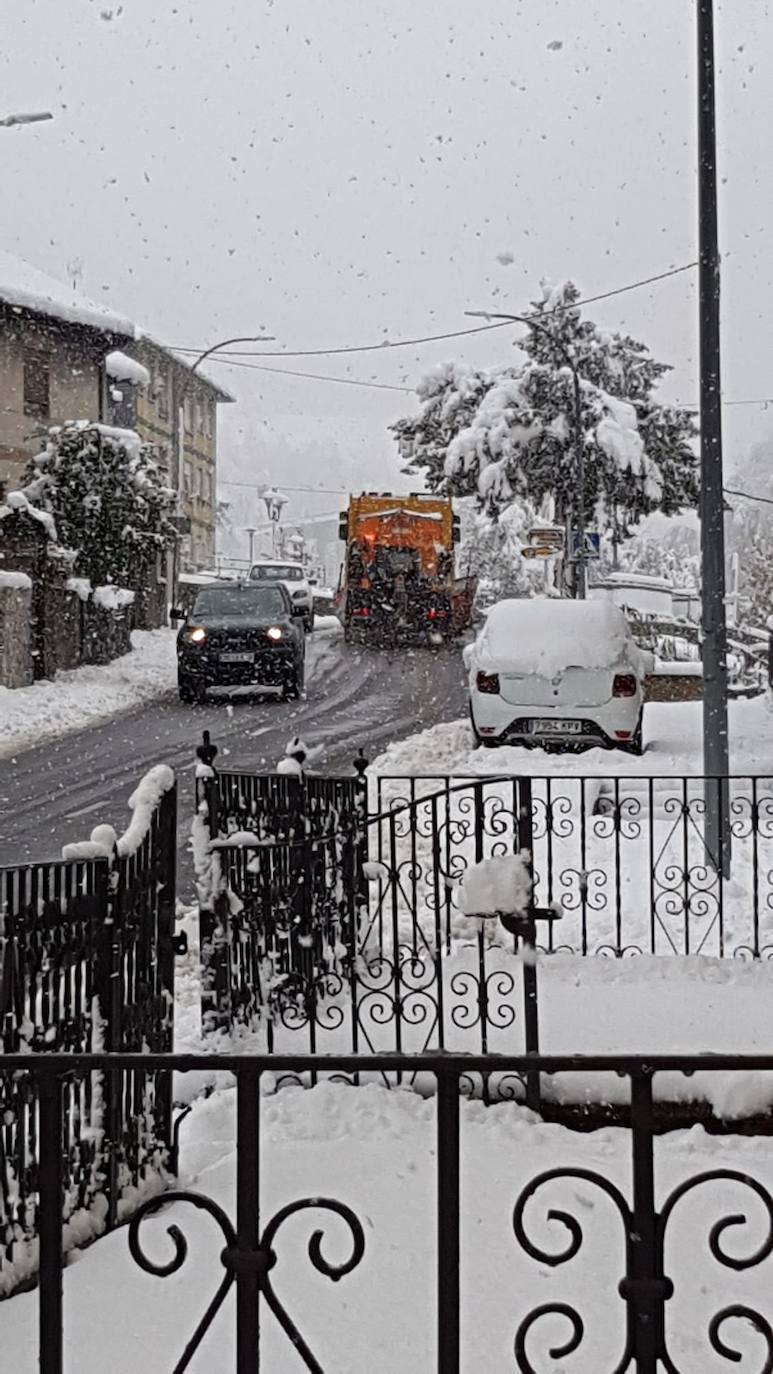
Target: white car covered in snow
[
  {"x": 293, "y": 577},
  {"x": 561, "y": 674}
]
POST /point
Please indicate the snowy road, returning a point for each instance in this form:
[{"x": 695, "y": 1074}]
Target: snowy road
[{"x": 59, "y": 791}]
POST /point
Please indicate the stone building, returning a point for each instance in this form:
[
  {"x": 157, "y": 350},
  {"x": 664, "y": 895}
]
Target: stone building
[{"x": 53, "y": 342}]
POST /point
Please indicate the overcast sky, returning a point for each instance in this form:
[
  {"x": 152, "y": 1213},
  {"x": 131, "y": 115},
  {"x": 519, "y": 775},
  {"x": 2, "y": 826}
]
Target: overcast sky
[{"x": 346, "y": 171}]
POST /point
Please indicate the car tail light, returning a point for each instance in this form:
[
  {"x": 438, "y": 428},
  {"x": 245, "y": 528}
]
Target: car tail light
[
  {"x": 624, "y": 685},
  {"x": 363, "y": 611},
  {"x": 435, "y": 613},
  {"x": 489, "y": 683}
]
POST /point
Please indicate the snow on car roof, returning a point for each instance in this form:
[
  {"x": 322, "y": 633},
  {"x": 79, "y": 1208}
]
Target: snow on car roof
[{"x": 542, "y": 636}]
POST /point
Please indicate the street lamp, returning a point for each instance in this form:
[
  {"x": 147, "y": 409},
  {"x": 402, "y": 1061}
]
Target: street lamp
[
  {"x": 14, "y": 120},
  {"x": 580, "y": 583},
  {"x": 180, "y": 423}
]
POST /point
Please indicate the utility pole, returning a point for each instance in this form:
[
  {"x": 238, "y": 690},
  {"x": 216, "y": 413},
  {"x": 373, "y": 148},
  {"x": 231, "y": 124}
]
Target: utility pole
[{"x": 715, "y": 724}]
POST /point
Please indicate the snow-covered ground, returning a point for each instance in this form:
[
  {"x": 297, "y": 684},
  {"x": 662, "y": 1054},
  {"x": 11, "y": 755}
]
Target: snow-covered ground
[
  {"x": 647, "y": 1005},
  {"x": 85, "y": 696},
  {"x": 672, "y": 734},
  {"x": 626, "y": 859},
  {"x": 374, "y": 1150}
]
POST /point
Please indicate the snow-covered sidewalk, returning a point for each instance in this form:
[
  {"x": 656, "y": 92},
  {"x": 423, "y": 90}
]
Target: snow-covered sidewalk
[
  {"x": 672, "y": 734},
  {"x": 374, "y": 1150},
  {"x": 85, "y": 696}
]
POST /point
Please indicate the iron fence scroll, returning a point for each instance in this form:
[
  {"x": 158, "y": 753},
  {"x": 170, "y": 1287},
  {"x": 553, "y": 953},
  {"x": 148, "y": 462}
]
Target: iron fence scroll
[{"x": 653, "y": 1267}]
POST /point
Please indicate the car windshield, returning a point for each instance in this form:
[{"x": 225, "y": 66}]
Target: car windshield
[
  {"x": 286, "y": 572},
  {"x": 245, "y": 602}
]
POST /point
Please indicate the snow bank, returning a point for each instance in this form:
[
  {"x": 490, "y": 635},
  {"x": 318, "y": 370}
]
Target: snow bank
[
  {"x": 15, "y": 581},
  {"x": 672, "y": 732},
  {"x": 113, "y": 598},
  {"x": 122, "y": 368},
  {"x": 542, "y": 637},
  {"x": 84, "y": 696}
]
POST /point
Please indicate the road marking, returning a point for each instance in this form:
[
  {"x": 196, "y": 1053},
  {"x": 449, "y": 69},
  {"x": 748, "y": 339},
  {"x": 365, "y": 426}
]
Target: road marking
[
  {"x": 264, "y": 730},
  {"x": 84, "y": 811}
]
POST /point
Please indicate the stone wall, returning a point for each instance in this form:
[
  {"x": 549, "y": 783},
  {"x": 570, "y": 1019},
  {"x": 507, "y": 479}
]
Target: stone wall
[{"x": 15, "y": 630}]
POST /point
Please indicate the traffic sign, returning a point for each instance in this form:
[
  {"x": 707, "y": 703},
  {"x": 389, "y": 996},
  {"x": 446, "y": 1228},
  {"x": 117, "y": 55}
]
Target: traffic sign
[
  {"x": 548, "y": 535},
  {"x": 538, "y": 551},
  {"x": 592, "y": 543}
]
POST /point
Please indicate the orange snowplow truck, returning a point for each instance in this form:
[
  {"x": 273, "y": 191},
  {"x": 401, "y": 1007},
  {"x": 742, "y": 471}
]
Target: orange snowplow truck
[{"x": 397, "y": 578}]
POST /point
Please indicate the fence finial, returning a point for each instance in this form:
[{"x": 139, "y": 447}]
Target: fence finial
[
  {"x": 360, "y": 763},
  {"x": 206, "y": 751}
]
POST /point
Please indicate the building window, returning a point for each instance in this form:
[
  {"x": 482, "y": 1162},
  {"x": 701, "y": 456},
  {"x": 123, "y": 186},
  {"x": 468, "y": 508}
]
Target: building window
[
  {"x": 188, "y": 479},
  {"x": 162, "y": 393},
  {"x": 188, "y": 411},
  {"x": 37, "y": 401},
  {"x": 208, "y": 410}
]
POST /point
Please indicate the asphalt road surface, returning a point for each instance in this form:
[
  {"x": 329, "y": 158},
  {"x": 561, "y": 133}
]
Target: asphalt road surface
[{"x": 57, "y": 792}]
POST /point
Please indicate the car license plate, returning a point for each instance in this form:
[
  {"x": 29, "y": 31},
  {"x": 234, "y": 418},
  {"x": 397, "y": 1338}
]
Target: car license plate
[
  {"x": 556, "y": 727},
  {"x": 237, "y": 658}
]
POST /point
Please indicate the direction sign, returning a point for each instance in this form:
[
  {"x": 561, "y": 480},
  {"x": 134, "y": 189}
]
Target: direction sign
[
  {"x": 537, "y": 551},
  {"x": 592, "y": 543},
  {"x": 548, "y": 535}
]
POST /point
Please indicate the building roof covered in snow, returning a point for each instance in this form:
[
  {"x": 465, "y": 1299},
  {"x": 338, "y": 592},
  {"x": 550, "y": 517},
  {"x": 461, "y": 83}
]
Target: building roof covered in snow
[
  {"x": 24, "y": 287},
  {"x": 146, "y": 343}
]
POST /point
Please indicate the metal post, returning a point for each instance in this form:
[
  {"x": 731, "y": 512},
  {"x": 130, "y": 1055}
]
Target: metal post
[
  {"x": 644, "y": 1288},
  {"x": 51, "y": 1181},
  {"x": 448, "y": 1220},
  {"x": 715, "y": 727},
  {"x": 248, "y": 1273}
]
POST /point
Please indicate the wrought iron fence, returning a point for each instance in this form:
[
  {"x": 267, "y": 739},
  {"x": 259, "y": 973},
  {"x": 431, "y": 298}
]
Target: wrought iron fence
[
  {"x": 655, "y": 1267},
  {"x": 626, "y": 860},
  {"x": 86, "y": 963},
  {"x": 286, "y": 887},
  {"x": 349, "y": 935}
]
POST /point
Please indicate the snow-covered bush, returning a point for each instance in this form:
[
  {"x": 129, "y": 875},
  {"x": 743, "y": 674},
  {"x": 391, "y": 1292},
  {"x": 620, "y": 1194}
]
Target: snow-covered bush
[
  {"x": 107, "y": 499},
  {"x": 508, "y": 434}
]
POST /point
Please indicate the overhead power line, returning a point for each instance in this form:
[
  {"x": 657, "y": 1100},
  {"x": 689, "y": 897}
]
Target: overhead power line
[
  {"x": 386, "y": 344},
  {"x": 748, "y": 496},
  {"x": 316, "y": 491},
  {"x": 315, "y": 376}
]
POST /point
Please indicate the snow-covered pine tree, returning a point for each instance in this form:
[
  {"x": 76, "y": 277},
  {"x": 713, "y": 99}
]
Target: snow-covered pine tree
[
  {"x": 108, "y": 499},
  {"x": 508, "y": 434}
]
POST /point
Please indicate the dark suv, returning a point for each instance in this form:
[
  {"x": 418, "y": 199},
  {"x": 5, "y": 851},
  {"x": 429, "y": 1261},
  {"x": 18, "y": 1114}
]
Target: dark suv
[{"x": 240, "y": 635}]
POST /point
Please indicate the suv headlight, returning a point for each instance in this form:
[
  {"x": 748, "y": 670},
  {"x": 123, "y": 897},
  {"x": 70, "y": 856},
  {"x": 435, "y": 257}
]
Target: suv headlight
[
  {"x": 275, "y": 632},
  {"x": 196, "y": 635},
  {"x": 298, "y": 596}
]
